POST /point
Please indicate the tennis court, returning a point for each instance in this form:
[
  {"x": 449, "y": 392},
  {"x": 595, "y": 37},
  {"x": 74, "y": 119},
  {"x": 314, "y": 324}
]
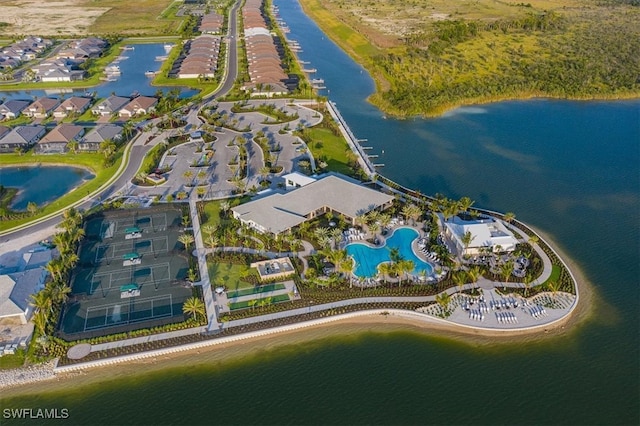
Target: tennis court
[{"x": 131, "y": 274}]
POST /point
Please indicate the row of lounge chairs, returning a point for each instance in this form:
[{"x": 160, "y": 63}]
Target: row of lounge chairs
[
  {"x": 507, "y": 317},
  {"x": 476, "y": 315},
  {"x": 537, "y": 311},
  {"x": 504, "y": 303}
]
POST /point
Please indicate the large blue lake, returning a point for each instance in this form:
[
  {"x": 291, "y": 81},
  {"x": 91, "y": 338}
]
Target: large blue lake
[
  {"x": 132, "y": 78},
  {"x": 571, "y": 169},
  {"x": 41, "y": 184}
]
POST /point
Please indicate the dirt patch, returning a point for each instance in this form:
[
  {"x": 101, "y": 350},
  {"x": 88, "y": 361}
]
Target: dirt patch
[{"x": 48, "y": 18}]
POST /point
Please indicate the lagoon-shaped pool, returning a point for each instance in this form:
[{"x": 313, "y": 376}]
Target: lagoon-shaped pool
[
  {"x": 41, "y": 184},
  {"x": 368, "y": 258}
]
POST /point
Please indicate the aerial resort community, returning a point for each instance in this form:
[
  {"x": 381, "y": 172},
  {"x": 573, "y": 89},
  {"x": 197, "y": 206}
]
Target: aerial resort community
[{"x": 244, "y": 209}]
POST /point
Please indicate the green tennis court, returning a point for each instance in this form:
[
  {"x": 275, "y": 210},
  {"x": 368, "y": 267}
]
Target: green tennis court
[
  {"x": 255, "y": 290},
  {"x": 246, "y": 304}
]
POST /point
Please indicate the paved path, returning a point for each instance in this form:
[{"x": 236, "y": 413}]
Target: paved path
[{"x": 201, "y": 253}]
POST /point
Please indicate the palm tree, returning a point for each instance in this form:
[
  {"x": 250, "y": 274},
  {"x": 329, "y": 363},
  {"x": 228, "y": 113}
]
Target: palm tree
[
  {"x": 443, "y": 300},
  {"x": 553, "y": 286},
  {"x": 40, "y": 320},
  {"x": 194, "y": 306},
  {"x": 361, "y": 220},
  {"x": 321, "y": 233},
  {"x": 188, "y": 175},
  {"x": 506, "y": 269},
  {"x": 192, "y": 275},
  {"x": 336, "y": 236},
  {"x": 405, "y": 266},
  {"x": 55, "y": 267},
  {"x": 374, "y": 227},
  {"x": 59, "y": 292},
  {"x": 62, "y": 242},
  {"x": 412, "y": 211},
  {"x": 465, "y": 203},
  {"x": 474, "y": 274},
  {"x": 42, "y": 301},
  {"x": 460, "y": 279},
  {"x": 385, "y": 269},
  {"x": 509, "y": 217},
  {"x": 466, "y": 240},
  {"x": 73, "y": 146},
  {"x": 107, "y": 147},
  {"x": 209, "y": 229},
  {"x": 186, "y": 240},
  {"x": 225, "y": 206},
  {"x": 526, "y": 280}
]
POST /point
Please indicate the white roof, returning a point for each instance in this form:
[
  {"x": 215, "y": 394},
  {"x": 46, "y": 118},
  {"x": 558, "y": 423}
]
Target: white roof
[
  {"x": 299, "y": 179},
  {"x": 485, "y": 232},
  {"x": 278, "y": 212}
]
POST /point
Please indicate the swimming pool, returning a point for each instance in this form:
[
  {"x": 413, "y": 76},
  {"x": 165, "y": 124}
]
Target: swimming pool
[{"x": 368, "y": 258}]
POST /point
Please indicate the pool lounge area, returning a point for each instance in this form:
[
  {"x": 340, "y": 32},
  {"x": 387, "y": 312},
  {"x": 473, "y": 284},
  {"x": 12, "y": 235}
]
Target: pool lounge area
[{"x": 368, "y": 258}]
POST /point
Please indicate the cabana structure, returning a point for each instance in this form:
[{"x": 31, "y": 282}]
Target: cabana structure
[{"x": 485, "y": 233}]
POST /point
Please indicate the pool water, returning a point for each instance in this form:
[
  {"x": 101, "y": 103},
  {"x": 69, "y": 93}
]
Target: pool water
[{"x": 368, "y": 258}]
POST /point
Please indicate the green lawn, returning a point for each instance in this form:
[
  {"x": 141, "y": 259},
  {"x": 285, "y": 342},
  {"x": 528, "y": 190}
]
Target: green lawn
[
  {"x": 244, "y": 305},
  {"x": 211, "y": 211},
  {"x": 334, "y": 148},
  {"x": 12, "y": 361},
  {"x": 555, "y": 274},
  {"x": 231, "y": 275}
]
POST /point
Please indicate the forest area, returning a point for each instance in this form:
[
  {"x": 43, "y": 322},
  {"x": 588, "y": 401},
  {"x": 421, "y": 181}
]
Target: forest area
[{"x": 434, "y": 55}]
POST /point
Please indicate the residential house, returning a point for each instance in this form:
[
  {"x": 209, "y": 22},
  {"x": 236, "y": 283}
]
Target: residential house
[
  {"x": 21, "y": 137},
  {"x": 12, "y": 108},
  {"x": 4, "y": 130},
  {"x": 20, "y": 279},
  {"x": 140, "y": 105},
  {"x": 41, "y": 108},
  {"x": 92, "y": 140},
  {"x": 74, "y": 105},
  {"x": 109, "y": 106},
  {"x": 58, "y": 70},
  {"x": 15, "y": 292},
  {"x": 57, "y": 140}
]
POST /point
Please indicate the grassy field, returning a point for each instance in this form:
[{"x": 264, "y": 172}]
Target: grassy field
[
  {"x": 231, "y": 275},
  {"x": 81, "y": 17},
  {"x": 211, "y": 211},
  {"x": 428, "y": 56},
  {"x": 331, "y": 148}
]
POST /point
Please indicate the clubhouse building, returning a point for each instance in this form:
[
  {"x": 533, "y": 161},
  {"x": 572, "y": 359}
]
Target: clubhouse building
[{"x": 279, "y": 212}]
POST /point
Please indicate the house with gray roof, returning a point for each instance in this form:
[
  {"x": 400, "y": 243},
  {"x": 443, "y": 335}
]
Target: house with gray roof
[
  {"x": 58, "y": 139},
  {"x": 4, "y": 130},
  {"x": 41, "y": 108},
  {"x": 22, "y": 137},
  {"x": 109, "y": 106},
  {"x": 92, "y": 140},
  {"x": 334, "y": 193},
  {"x": 73, "y": 105},
  {"x": 12, "y": 108},
  {"x": 15, "y": 292}
]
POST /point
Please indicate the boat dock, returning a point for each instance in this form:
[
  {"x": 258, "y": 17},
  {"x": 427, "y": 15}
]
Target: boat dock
[{"x": 352, "y": 141}]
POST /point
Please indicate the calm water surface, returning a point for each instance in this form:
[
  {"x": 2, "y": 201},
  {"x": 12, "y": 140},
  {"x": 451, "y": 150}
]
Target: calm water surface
[
  {"x": 569, "y": 168},
  {"x": 41, "y": 184},
  {"x": 132, "y": 79}
]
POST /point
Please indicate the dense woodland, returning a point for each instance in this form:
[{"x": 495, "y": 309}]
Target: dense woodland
[{"x": 586, "y": 51}]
